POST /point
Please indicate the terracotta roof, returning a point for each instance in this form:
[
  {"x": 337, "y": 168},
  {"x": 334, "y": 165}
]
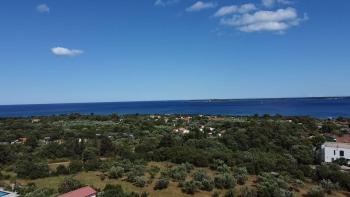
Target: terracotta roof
[
  {"x": 343, "y": 139},
  {"x": 82, "y": 192}
]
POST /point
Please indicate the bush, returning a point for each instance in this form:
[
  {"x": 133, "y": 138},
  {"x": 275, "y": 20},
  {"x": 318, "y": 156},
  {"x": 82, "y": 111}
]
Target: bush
[
  {"x": 68, "y": 184},
  {"x": 200, "y": 175},
  {"x": 115, "y": 172},
  {"x": 29, "y": 169},
  {"x": 177, "y": 173},
  {"x": 230, "y": 193},
  {"x": 224, "y": 181},
  {"x": 44, "y": 192},
  {"x": 207, "y": 185},
  {"x": 188, "y": 167},
  {"x": 153, "y": 171},
  {"x": 75, "y": 166},
  {"x": 328, "y": 186},
  {"x": 247, "y": 192},
  {"x": 241, "y": 175},
  {"x": 205, "y": 182},
  {"x": 113, "y": 191},
  {"x": 61, "y": 170},
  {"x": 161, "y": 184},
  {"x": 190, "y": 187},
  {"x": 270, "y": 185},
  {"x": 139, "y": 181},
  {"x": 316, "y": 191}
]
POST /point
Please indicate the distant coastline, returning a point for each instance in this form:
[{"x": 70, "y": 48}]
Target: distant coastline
[
  {"x": 317, "y": 107},
  {"x": 282, "y": 98},
  {"x": 187, "y": 100}
]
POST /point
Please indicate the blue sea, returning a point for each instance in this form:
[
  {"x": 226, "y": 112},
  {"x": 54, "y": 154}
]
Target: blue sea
[{"x": 314, "y": 107}]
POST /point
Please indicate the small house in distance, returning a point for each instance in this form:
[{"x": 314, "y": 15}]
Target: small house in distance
[
  {"x": 331, "y": 151},
  {"x": 82, "y": 192}
]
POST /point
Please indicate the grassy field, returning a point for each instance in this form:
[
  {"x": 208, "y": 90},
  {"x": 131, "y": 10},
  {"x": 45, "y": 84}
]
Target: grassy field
[{"x": 93, "y": 179}]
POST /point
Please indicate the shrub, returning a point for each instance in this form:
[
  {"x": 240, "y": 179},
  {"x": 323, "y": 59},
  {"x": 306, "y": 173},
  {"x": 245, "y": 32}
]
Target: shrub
[
  {"x": 241, "y": 175},
  {"x": 61, "y": 169},
  {"x": 190, "y": 187},
  {"x": 139, "y": 181},
  {"x": 29, "y": 169},
  {"x": 161, "y": 184},
  {"x": 268, "y": 184},
  {"x": 43, "y": 192},
  {"x": 112, "y": 191},
  {"x": 316, "y": 191},
  {"x": 68, "y": 184},
  {"x": 188, "y": 167},
  {"x": 200, "y": 175},
  {"x": 205, "y": 182},
  {"x": 115, "y": 172},
  {"x": 328, "y": 186},
  {"x": 247, "y": 192},
  {"x": 177, "y": 173},
  {"x": 207, "y": 185},
  {"x": 153, "y": 171},
  {"x": 230, "y": 193},
  {"x": 75, "y": 166},
  {"x": 225, "y": 180}
]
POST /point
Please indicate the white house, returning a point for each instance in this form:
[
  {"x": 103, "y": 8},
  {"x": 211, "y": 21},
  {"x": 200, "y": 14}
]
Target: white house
[{"x": 331, "y": 151}]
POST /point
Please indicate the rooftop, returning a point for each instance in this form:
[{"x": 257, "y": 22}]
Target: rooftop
[
  {"x": 82, "y": 192},
  {"x": 343, "y": 139},
  {"x": 337, "y": 145}
]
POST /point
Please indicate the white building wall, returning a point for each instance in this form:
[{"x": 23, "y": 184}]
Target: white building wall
[{"x": 332, "y": 153}]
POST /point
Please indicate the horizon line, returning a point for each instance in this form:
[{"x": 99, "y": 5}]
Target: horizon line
[{"x": 212, "y": 99}]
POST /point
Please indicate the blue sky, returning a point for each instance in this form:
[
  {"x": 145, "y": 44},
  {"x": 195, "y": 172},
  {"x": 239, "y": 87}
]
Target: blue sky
[{"x": 90, "y": 51}]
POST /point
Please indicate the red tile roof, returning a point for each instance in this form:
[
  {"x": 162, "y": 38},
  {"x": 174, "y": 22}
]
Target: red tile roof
[
  {"x": 343, "y": 139},
  {"x": 82, "y": 192}
]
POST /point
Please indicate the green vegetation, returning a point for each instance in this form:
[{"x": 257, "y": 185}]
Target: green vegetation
[{"x": 137, "y": 155}]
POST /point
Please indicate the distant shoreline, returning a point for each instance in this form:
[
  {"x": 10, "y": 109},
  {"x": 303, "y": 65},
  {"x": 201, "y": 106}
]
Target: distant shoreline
[{"x": 189, "y": 100}]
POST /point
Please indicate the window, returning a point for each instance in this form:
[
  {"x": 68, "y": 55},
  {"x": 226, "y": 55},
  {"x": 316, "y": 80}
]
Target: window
[
  {"x": 334, "y": 152},
  {"x": 341, "y": 153}
]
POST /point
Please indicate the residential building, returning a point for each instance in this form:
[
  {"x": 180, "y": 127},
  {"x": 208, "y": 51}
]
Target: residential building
[{"x": 331, "y": 151}]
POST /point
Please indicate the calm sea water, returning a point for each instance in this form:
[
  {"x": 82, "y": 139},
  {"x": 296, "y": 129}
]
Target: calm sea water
[{"x": 315, "y": 107}]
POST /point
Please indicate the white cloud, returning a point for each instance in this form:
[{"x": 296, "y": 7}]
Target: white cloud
[
  {"x": 246, "y": 8},
  {"x": 278, "y": 20},
  {"x": 270, "y": 3},
  {"x": 227, "y": 10},
  {"x": 60, "y": 51},
  {"x": 43, "y": 8},
  {"x": 199, "y": 5},
  {"x": 165, "y": 2}
]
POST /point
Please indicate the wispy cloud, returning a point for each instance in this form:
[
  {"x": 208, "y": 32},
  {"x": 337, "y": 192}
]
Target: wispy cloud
[
  {"x": 277, "y": 21},
  {"x": 43, "y": 8},
  {"x": 165, "y": 2},
  {"x": 200, "y": 5},
  {"x": 61, "y": 51},
  {"x": 270, "y": 3},
  {"x": 232, "y": 9}
]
